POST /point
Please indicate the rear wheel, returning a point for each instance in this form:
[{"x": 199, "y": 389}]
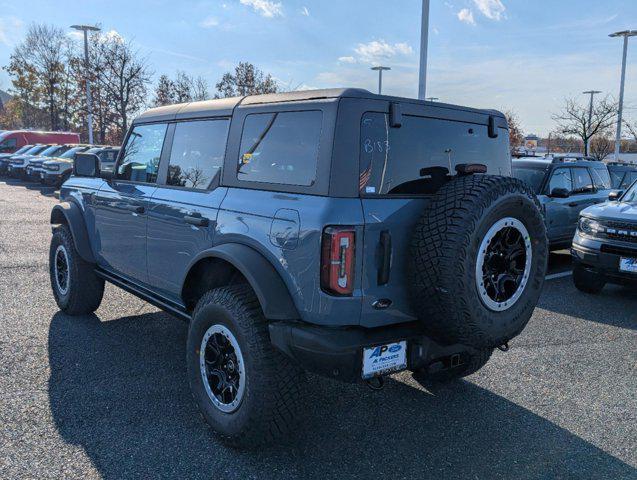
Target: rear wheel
[
  {"x": 246, "y": 390},
  {"x": 587, "y": 281}
]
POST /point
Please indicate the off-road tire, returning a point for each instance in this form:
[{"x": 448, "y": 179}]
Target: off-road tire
[
  {"x": 587, "y": 281},
  {"x": 85, "y": 290},
  {"x": 271, "y": 404},
  {"x": 472, "y": 362},
  {"x": 444, "y": 255}
]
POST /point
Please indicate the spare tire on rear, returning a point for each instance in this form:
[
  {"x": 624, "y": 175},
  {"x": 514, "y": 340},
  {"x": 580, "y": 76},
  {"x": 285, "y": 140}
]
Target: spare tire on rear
[{"x": 478, "y": 261}]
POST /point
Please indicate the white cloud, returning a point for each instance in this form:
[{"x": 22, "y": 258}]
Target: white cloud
[
  {"x": 466, "y": 16},
  {"x": 377, "y": 50},
  {"x": 265, "y": 8},
  {"x": 209, "y": 22},
  {"x": 10, "y": 28},
  {"x": 305, "y": 12},
  {"x": 348, "y": 59},
  {"x": 492, "y": 9}
]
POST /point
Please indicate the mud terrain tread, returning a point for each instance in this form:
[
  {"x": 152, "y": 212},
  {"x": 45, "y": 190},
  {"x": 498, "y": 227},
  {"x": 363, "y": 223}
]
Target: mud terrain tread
[
  {"x": 441, "y": 240},
  {"x": 86, "y": 289},
  {"x": 277, "y": 385}
]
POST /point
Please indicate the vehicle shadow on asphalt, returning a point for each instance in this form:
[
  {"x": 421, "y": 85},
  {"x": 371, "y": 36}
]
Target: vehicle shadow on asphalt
[
  {"x": 47, "y": 191},
  {"x": 118, "y": 390},
  {"x": 615, "y": 305}
]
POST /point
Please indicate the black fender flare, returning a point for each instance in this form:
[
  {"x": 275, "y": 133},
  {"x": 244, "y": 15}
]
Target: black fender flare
[
  {"x": 69, "y": 213},
  {"x": 272, "y": 293}
]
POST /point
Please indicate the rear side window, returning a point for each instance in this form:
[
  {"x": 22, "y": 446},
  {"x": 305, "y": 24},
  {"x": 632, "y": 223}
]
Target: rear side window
[
  {"x": 197, "y": 153},
  {"x": 601, "y": 177},
  {"x": 142, "y": 152},
  {"x": 582, "y": 181},
  {"x": 392, "y": 158},
  {"x": 533, "y": 177},
  {"x": 280, "y": 148}
]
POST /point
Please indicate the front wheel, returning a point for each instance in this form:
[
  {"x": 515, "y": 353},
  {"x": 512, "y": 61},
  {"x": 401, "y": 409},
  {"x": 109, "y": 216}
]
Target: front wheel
[
  {"x": 587, "y": 281},
  {"x": 246, "y": 390},
  {"x": 76, "y": 287}
]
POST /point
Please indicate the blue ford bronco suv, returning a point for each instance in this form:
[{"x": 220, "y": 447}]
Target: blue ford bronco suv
[{"x": 337, "y": 232}]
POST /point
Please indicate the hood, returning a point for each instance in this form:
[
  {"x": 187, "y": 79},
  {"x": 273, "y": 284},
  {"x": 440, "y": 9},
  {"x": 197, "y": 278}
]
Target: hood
[
  {"x": 612, "y": 211},
  {"x": 58, "y": 161}
]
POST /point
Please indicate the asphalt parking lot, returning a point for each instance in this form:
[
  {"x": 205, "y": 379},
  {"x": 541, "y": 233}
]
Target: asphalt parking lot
[{"x": 106, "y": 396}]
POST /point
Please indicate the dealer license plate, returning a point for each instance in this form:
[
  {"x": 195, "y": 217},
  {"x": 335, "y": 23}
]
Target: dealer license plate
[
  {"x": 387, "y": 358},
  {"x": 41, "y": 175},
  {"x": 628, "y": 265}
]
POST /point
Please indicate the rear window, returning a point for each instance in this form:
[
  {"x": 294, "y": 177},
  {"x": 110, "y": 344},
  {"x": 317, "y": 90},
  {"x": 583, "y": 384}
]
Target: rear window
[
  {"x": 392, "y": 158},
  {"x": 280, "y": 148},
  {"x": 531, "y": 176},
  {"x": 601, "y": 177}
]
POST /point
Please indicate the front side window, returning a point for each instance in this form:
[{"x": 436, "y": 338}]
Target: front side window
[
  {"x": 8, "y": 145},
  {"x": 631, "y": 195},
  {"x": 561, "y": 178},
  {"x": 280, "y": 148},
  {"x": 582, "y": 181},
  {"x": 601, "y": 177},
  {"x": 140, "y": 161},
  {"x": 197, "y": 153}
]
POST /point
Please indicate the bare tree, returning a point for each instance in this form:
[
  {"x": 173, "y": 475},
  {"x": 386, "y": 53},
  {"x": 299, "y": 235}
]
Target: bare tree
[
  {"x": 576, "y": 119},
  {"x": 246, "y": 80},
  {"x": 516, "y": 135},
  {"x": 164, "y": 92},
  {"x": 601, "y": 146},
  {"x": 632, "y": 129},
  {"x": 200, "y": 89},
  {"x": 126, "y": 77},
  {"x": 42, "y": 61}
]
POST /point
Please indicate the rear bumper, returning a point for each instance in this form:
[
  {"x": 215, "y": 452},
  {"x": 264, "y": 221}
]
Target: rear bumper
[{"x": 338, "y": 352}]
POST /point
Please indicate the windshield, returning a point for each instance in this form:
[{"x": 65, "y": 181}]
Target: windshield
[
  {"x": 631, "y": 195},
  {"x": 531, "y": 176},
  {"x": 23, "y": 149},
  {"x": 35, "y": 150},
  {"x": 50, "y": 151},
  {"x": 71, "y": 152}
]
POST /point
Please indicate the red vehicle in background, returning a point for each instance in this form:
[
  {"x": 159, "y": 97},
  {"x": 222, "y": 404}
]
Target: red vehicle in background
[{"x": 12, "y": 140}]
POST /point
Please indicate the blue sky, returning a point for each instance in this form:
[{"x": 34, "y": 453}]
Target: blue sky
[{"x": 507, "y": 54}]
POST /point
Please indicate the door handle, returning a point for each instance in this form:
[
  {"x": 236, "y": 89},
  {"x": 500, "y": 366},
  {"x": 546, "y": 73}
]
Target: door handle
[
  {"x": 196, "y": 220},
  {"x": 135, "y": 209}
]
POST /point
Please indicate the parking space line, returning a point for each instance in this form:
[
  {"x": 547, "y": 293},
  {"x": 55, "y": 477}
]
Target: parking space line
[{"x": 554, "y": 276}]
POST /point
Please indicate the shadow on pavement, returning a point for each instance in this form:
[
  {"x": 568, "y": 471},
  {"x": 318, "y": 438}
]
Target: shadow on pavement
[
  {"x": 615, "y": 305},
  {"x": 47, "y": 191},
  {"x": 118, "y": 390}
]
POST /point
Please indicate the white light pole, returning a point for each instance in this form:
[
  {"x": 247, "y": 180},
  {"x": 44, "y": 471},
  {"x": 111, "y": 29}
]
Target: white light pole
[
  {"x": 590, "y": 115},
  {"x": 424, "y": 38},
  {"x": 625, "y": 34},
  {"x": 89, "y": 103},
  {"x": 380, "y": 71}
]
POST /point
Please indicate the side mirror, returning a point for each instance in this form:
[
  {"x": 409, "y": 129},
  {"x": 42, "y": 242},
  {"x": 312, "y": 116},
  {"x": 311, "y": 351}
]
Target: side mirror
[
  {"x": 615, "y": 195},
  {"x": 560, "y": 193},
  {"x": 86, "y": 165}
]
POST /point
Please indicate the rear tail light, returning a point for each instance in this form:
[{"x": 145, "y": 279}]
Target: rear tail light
[{"x": 338, "y": 260}]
